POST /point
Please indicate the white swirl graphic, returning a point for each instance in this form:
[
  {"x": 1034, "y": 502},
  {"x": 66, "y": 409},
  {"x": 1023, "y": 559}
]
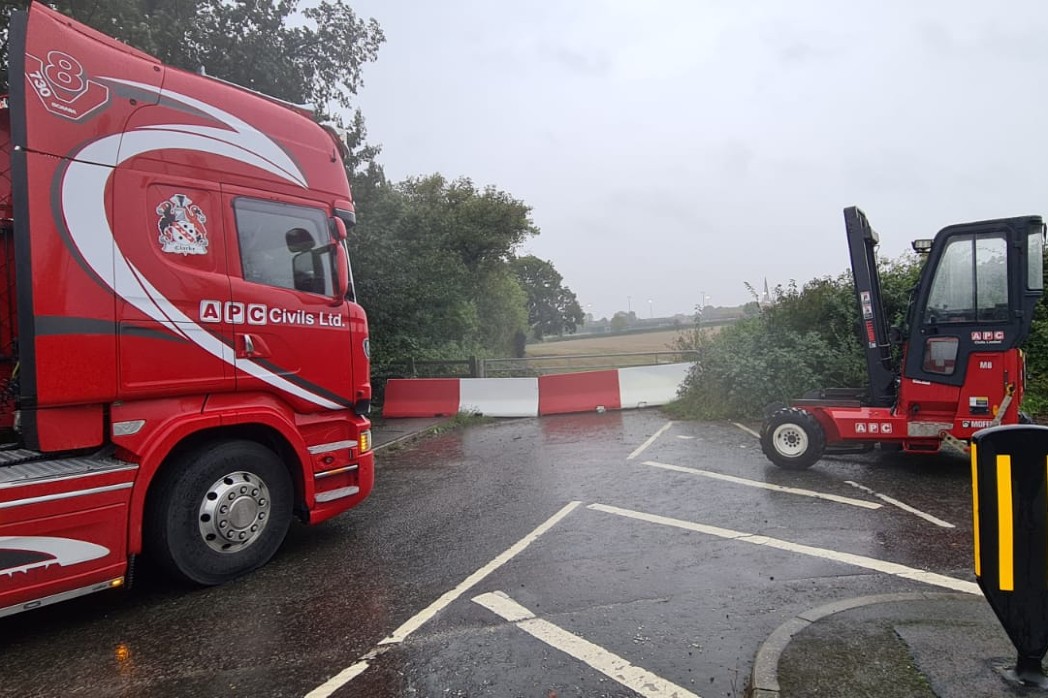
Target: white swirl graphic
[
  {"x": 83, "y": 192},
  {"x": 59, "y": 551}
]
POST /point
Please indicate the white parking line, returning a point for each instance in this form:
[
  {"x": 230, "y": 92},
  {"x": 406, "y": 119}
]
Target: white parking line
[
  {"x": 766, "y": 485},
  {"x": 341, "y": 678},
  {"x": 902, "y": 505},
  {"x": 416, "y": 621},
  {"x": 611, "y": 665},
  {"x": 747, "y": 429},
  {"x": 869, "y": 563},
  {"x": 649, "y": 442}
]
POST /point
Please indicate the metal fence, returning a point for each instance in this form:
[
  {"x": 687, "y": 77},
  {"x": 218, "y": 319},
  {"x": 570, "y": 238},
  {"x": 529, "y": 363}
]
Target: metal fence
[
  {"x": 541, "y": 365},
  {"x": 451, "y": 368},
  {"x": 474, "y": 367}
]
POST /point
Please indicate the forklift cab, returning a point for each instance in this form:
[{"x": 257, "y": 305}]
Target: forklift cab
[{"x": 977, "y": 293}]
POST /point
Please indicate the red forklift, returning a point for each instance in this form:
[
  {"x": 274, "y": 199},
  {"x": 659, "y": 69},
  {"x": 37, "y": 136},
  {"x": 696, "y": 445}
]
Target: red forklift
[{"x": 961, "y": 367}]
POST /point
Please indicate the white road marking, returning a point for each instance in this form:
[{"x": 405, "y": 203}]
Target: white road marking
[
  {"x": 611, "y": 665},
  {"x": 338, "y": 680},
  {"x": 902, "y": 505},
  {"x": 649, "y": 442},
  {"x": 869, "y": 563},
  {"x": 767, "y": 485},
  {"x": 416, "y": 621},
  {"x": 684, "y": 436},
  {"x": 747, "y": 429}
]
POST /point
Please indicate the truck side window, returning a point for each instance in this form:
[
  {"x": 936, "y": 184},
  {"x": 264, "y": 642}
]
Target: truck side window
[
  {"x": 971, "y": 283},
  {"x": 284, "y": 245}
]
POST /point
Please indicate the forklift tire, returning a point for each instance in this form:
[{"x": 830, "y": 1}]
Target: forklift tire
[
  {"x": 218, "y": 512},
  {"x": 793, "y": 439}
]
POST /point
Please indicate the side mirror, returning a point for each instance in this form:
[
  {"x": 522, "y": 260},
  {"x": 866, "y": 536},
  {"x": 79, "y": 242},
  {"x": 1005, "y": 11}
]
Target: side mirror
[
  {"x": 340, "y": 229},
  {"x": 341, "y": 272}
]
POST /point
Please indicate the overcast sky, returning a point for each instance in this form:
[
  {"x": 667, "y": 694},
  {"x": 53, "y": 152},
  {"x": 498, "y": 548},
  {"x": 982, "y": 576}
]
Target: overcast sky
[{"x": 670, "y": 149}]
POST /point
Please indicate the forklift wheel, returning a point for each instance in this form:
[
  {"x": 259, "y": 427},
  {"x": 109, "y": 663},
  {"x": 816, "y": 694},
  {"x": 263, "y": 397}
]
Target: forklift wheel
[{"x": 793, "y": 439}]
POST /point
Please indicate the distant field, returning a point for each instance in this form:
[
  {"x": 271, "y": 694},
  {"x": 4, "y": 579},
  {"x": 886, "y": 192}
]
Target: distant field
[
  {"x": 601, "y": 352},
  {"x": 649, "y": 341}
]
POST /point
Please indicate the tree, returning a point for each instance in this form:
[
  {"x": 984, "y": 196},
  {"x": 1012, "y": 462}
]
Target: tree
[
  {"x": 552, "y": 307},
  {"x": 502, "y": 311},
  {"x": 482, "y": 226},
  {"x": 430, "y": 259}
]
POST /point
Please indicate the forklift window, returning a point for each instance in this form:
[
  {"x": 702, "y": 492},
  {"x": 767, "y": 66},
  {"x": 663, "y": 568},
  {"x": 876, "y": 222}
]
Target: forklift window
[
  {"x": 940, "y": 355},
  {"x": 971, "y": 283},
  {"x": 1035, "y": 260}
]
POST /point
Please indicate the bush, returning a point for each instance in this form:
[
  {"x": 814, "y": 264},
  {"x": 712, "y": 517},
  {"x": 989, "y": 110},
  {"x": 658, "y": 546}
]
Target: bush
[
  {"x": 808, "y": 339},
  {"x": 748, "y": 365},
  {"x": 1036, "y": 400}
]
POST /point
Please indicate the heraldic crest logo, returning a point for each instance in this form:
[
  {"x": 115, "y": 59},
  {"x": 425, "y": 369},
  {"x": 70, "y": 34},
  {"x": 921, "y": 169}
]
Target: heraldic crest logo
[{"x": 181, "y": 226}]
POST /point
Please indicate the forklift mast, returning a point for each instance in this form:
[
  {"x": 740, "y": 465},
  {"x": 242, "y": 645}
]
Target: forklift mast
[{"x": 862, "y": 243}]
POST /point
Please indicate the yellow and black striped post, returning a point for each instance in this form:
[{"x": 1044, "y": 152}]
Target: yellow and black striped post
[{"x": 1010, "y": 508}]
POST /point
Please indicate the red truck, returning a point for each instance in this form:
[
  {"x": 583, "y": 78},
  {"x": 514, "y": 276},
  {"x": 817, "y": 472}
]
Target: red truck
[{"x": 183, "y": 365}]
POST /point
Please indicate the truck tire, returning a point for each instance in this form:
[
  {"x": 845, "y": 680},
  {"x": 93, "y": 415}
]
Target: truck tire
[
  {"x": 218, "y": 512},
  {"x": 793, "y": 439}
]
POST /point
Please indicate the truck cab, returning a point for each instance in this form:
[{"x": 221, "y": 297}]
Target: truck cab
[{"x": 183, "y": 362}]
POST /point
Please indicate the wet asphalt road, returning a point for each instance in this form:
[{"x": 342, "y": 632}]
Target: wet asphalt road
[{"x": 690, "y": 607}]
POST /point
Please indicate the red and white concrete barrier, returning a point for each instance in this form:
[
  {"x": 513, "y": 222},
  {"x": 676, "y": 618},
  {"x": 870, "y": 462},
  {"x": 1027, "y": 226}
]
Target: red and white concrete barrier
[
  {"x": 421, "y": 397},
  {"x": 499, "y": 397},
  {"x": 641, "y": 386},
  {"x": 623, "y": 388}
]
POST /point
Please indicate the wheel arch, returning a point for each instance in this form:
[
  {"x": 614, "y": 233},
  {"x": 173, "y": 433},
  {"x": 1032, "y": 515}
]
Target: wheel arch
[
  {"x": 829, "y": 426},
  {"x": 219, "y": 508},
  {"x": 258, "y": 432}
]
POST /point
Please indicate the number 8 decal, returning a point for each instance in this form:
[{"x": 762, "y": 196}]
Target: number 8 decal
[
  {"x": 65, "y": 72},
  {"x": 64, "y": 87}
]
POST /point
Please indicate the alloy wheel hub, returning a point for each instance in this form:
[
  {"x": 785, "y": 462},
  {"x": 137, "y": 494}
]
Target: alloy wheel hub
[{"x": 234, "y": 512}]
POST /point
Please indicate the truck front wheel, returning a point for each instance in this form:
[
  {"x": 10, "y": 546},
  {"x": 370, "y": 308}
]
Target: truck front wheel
[
  {"x": 792, "y": 438},
  {"x": 218, "y": 512}
]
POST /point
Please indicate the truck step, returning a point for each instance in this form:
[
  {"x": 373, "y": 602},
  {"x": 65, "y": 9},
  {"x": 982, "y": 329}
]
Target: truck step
[
  {"x": 14, "y": 455},
  {"x": 25, "y": 473}
]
